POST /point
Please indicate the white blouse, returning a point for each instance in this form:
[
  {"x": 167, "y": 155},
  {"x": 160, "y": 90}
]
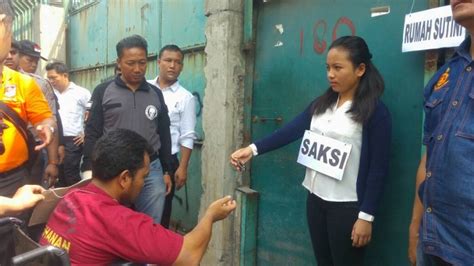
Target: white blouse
[{"x": 337, "y": 124}]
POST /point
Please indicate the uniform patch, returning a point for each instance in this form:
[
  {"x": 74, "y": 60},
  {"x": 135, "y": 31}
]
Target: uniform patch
[
  {"x": 443, "y": 80},
  {"x": 10, "y": 90},
  {"x": 151, "y": 112}
]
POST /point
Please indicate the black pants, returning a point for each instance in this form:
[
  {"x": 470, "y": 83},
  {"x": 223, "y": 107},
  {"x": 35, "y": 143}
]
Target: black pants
[
  {"x": 69, "y": 170},
  {"x": 330, "y": 226},
  {"x": 38, "y": 167},
  {"x": 166, "y": 217}
]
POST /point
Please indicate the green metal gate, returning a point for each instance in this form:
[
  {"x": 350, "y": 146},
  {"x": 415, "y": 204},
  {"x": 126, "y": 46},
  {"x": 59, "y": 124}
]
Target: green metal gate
[
  {"x": 94, "y": 28},
  {"x": 291, "y": 43}
]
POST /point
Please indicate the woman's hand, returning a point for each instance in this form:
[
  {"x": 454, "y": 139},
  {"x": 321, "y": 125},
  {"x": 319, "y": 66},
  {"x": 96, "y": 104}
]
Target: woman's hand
[
  {"x": 361, "y": 233},
  {"x": 240, "y": 157}
]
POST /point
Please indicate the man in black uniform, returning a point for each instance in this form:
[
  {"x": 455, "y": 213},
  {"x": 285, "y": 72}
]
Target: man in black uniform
[{"x": 129, "y": 102}]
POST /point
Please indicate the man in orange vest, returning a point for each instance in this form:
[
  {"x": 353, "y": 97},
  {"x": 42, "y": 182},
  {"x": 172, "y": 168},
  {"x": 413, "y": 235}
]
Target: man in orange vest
[{"x": 20, "y": 98}]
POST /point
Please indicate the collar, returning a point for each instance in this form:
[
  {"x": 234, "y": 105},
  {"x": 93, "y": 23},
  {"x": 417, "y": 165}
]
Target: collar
[
  {"x": 144, "y": 86},
  {"x": 464, "y": 49},
  {"x": 346, "y": 104},
  {"x": 174, "y": 87},
  {"x": 71, "y": 85},
  {"x": 91, "y": 187}
]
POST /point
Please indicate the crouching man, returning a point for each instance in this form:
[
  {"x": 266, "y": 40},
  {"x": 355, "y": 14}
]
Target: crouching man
[{"x": 95, "y": 226}]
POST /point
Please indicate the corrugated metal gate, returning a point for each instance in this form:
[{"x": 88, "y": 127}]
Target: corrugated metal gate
[
  {"x": 291, "y": 42},
  {"x": 94, "y": 28}
]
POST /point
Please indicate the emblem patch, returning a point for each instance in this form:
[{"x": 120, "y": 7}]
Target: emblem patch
[
  {"x": 151, "y": 112},
  {"x": 10, "y": 90},
  {"x": 443, "y": 80}
]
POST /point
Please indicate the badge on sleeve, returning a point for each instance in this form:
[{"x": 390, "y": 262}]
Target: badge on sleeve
[{"x": 443, "y": 80}]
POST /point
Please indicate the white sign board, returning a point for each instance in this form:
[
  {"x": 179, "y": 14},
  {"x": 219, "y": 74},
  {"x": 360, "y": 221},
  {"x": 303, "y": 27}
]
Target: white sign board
[
  {"x": 324, "y": 155},
  {"x": 431, "y": 29}
]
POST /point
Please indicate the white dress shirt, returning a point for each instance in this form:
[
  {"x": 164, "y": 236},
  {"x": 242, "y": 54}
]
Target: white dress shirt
[
  {"x": 182, "y": 112},
  {"x": 337, "y": 124},
  {"x": 72, "y": 106}
]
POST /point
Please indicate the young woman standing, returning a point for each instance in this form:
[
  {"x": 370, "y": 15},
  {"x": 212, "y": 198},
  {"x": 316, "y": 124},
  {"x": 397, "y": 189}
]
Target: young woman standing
[{"x": 340, "y": 209}]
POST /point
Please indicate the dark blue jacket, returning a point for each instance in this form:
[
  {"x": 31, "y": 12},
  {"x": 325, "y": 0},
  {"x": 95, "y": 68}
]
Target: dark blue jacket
[{"x": 374, "y": 157}]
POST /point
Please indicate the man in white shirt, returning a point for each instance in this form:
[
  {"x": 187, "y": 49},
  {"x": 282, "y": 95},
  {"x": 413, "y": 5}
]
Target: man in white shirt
[
  {"x": 182, "y": 112},
  {"x": 73, "y": 101}
]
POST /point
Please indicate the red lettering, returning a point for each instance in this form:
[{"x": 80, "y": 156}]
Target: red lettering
[
  {"x": 319, "y": 44},
  {"x": 346, "y": 21},
  {"x": 301, "y": 41}
]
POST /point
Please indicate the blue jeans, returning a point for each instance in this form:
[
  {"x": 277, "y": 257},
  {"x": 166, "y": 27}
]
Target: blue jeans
[
  {"x": 420, "y": 258},
  {"x": 152, "y": 197}
]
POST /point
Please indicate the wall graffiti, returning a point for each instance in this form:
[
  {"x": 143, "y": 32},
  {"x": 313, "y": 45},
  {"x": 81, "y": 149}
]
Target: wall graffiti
[{"x": 319, "y": 34}]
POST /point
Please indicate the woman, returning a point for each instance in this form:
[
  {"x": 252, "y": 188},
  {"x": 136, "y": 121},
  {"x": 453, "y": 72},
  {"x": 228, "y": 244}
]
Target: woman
[{"x": 340, "y": 211}]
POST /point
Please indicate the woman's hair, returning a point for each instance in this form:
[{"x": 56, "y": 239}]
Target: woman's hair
[{"x": 371, "y": 84}]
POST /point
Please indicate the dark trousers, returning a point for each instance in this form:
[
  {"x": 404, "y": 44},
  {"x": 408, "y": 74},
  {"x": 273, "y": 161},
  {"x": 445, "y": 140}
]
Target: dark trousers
[
  {"x": 330, "y": 226},
  {"x": 12, "y": 180},
  {"x": 69, "y": 170},
  {"x": 432, "y": 260},
  {"x": 38, "y": 167},
  {"x": 166, "y": 217}
]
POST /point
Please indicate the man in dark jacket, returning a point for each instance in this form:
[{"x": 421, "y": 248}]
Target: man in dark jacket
[{"x": 129, "y": 102}]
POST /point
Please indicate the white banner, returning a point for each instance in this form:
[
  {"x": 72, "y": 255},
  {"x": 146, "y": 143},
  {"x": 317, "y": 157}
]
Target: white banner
[
  {"x": 431, "y": 29},
  {"x": 324, "y": 155}
]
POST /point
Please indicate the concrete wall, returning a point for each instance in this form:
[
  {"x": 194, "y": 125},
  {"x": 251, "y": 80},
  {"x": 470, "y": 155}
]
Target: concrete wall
[
  {"x": 222, "y": 120},
  {"x": 50, "y": 33}
]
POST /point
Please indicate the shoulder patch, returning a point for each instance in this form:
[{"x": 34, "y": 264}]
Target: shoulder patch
[{"x": 443, "y": 80}]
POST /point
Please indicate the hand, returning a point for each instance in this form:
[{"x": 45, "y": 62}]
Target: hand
[
  {"x": 361, "y": 233},
  {"x": 180, "y": 177},
  {"x": 50, "y": 174},
  {"x": 79, "y": 140},
  {"x": 45, "y": 134},
  {"x": 240, "y": 157},
  {"x": 86, "y": 116},
  {"x": 61, "y": 154},
  {"x": 27, "y": 196},
  {"x": 221, "y": 208},
  {"x": 412, "y": 242},
  {"x": 168, "y": 184}
]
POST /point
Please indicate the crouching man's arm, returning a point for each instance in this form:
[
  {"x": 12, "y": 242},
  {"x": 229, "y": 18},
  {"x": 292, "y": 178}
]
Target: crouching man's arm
[{"x": 196, "y": 241}]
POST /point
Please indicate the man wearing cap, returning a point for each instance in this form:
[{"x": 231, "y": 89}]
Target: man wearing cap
[
  {"x": 30, "y": 53},
  {"x": 73, "y": 100},
  {"x": 46, "y": 163},
  {"x": 20, "y": 94}
]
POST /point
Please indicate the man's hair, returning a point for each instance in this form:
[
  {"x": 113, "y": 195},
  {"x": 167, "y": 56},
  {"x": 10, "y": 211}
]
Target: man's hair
[
  {"x": 131, "y": 42},
  {"x": 58, "y": 66},
  {"x": 117, "y": 151},
  {"x": 172, "y": 48},
  {"x": 6, "y": 8},
  {"x": 16, "y": 45}
]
